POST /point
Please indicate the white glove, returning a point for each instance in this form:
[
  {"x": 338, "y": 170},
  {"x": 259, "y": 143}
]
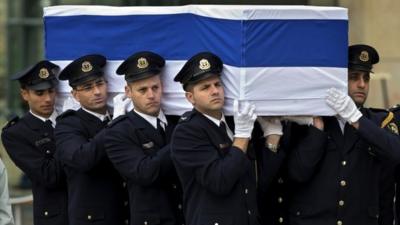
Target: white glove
[
  {"x": 343, "y": 105},
  {"x": 300, "y": 120},
  {"x": 244, "y": 120},
  {"x": 270, "y": 125},
  {"x": 70, "y": 103},
  {"x": 122, "y": 104}
]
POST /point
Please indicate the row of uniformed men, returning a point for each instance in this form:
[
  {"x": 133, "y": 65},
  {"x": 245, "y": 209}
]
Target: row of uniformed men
[{"x": 203, "y": 169}]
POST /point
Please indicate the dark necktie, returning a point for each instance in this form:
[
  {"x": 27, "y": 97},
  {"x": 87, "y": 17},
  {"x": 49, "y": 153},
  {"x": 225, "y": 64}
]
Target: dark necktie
[
  {"x": 48, "y": 127},
  {"x": 222, "y": 127},
  {"x": 48, "y": 123},
  {"x": 160, "y": 129},
  {"x": 106, "y": 120}
]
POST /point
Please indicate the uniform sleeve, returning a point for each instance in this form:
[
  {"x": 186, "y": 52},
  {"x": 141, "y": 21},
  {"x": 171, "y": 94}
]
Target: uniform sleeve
[
  {"x": 38, "y": 166},
  {"x": 386, "y": 195},
  {"x": 74, "y": 149},
  {"x": 193, "y": 151},
  {"x": 6, "y": 216},
  {"x": 387, "y": 144},
  {"x": 129, "y": 158},
  {"x": 269, "y": 163},
  {"x": 397, "y": 190},
  {"x": 306, "y": 154}
]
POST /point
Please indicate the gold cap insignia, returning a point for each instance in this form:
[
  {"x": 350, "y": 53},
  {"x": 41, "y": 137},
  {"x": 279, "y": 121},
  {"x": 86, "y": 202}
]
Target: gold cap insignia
[
  {"x": 87, "y": 66},
  {"x": 393, "y": 127},
  {"x": 364, "y": 56},
  {"x": 142, "y": 63},
  {"x": 204, "y": 64},
  {"x": 44, "y": 73}
]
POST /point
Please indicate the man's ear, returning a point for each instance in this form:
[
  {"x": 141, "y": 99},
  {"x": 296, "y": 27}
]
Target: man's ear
[
  {"x": 75, "y": 95},
  {"x": 128, "y": 91},
  {"x": 24, "y": 94},
  {"x": 190, "y": 97}
]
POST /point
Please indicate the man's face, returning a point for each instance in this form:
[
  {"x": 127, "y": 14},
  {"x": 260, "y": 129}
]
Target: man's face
[
  {"x": 92, "y": 95},
  {"x": 41, "y": 102},
  {"x": 146, "y": 95},
  {"x": 358, "y": 86},
  {"x": 207, "y": 96}
]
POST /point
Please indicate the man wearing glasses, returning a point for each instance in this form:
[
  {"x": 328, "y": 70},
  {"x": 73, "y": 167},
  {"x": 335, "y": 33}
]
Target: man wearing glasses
[{"x": 96, "y": 192}]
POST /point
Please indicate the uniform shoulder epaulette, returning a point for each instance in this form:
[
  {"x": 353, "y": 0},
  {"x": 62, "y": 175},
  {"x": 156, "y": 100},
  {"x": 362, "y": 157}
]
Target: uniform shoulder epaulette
[
  {"x": 67, "y": 113},
  {"x": 12, "y": 121},
  {"x": 187, "y": 116},
  {"x": 388, "y": 121},
  {"x": 117, "y": 120},
  {"x": 377, "y": 110}
]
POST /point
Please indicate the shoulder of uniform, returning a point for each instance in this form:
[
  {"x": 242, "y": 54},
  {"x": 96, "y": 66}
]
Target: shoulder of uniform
[
  {"x": 65, "y": 114},
  {"x": 387, "y": 120},
  {"x": 395, "y": 108},
  {"x": 11, "y": 122},
  {"x": 378, "y": 110},
  {"x": 117, "y": 120},
  {"x": 187, "y": 116}
]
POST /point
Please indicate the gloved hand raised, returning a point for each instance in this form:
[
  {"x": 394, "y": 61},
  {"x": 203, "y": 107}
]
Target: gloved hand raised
[
  {"x": 343, "y": 105},
  {"x": 122, "y": 104},
  {"x": 244, "y": 119},
  {"x": 270, "y": 125}
]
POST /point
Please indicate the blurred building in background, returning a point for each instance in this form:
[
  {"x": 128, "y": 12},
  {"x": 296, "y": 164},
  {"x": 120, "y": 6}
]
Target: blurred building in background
[{"x": 376, "y": 23}]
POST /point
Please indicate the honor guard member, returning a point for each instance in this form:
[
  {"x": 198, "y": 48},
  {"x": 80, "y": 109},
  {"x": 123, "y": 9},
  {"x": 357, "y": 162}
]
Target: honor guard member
[
  {"x": 96, "y": 192},
  {"x": 340, "y": 182},
  {"x": 273, "y": 186},
  {"x": 30, "y": 143},
  {"x": 396, "y": 114},
  {"x": 271, "y": 194},
  {"x": 138, "y": 145},
  {"x": 217, "y": 176},
  {"x": 394, "y": 126}
]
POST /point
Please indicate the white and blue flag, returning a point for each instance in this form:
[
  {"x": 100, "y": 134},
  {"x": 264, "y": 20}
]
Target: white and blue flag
[{"x": 282, "y": 58}]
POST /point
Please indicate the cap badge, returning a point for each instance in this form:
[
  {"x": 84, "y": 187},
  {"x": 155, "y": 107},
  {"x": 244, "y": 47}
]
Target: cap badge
[
  {"x": 364, "y": 56},
  {"x": 43, "y": 73},
  {"x": 204, "y": 64},
  {"x": 87, "y": 66},
  {"x": 142, "y": 63}
]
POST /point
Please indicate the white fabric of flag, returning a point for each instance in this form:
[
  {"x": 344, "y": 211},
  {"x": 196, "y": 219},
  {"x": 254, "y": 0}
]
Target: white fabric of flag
[{"x": 282, "y": 58}]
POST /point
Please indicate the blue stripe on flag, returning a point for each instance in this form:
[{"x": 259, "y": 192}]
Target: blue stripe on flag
[
  {"x": 241, "y": 43},
  {"x": 318, "y": 43}
]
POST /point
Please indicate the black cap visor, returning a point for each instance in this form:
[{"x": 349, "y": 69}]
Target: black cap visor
[
  {"x": 146, "y": 74},
  {"x": 199, "y": 77},
  {"x": 84, "y": 79},
  {"x": 43, "y": 85},
  {"x": 360, "y": 67}
]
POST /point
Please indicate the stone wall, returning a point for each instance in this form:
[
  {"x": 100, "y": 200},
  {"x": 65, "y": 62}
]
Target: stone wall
[{"x": 377, "y": 23}]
